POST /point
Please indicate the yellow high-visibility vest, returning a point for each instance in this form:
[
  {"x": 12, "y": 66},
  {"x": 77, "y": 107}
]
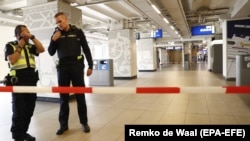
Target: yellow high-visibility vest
[{"x": 22, "y": 62}]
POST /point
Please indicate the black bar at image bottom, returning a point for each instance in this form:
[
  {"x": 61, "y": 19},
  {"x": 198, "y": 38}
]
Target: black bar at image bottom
[{"x": 192, "y": 132}]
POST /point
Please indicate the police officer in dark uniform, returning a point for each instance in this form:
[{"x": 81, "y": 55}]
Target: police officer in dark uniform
[
  {"x": 69, "y": 42},
  {"x": 20, "y": 55}
]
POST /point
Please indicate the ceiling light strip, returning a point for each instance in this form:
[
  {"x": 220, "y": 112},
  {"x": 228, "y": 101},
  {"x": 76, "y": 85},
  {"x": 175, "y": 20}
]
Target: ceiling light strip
[
  {"x": 166, "y": 20},
  {"x": 156, "y": 9}
]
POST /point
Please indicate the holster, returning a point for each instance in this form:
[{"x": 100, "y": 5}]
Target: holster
[
  {"x": 7, "y": 80},
  {"x": 36, "y": 75}
]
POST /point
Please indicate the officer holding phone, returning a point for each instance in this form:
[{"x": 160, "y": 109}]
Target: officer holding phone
[
  {"x": 20, "y": 55},
  {"x": 71, "y": 46}
]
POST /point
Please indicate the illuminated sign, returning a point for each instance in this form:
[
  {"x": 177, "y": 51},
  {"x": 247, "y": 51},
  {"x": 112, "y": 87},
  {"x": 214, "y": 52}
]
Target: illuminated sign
[
  {"x": 202, "y": 30},
  {"x": 157, "y": 33}
]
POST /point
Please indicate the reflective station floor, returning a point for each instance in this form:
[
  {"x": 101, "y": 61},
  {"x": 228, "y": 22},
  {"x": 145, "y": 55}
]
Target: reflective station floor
[{"x": 108, "y": 113}]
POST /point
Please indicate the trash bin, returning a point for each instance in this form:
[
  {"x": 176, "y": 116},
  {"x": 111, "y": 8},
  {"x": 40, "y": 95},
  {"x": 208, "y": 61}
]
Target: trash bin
[
  {"x": 102, "y": 73},
  {"x": 242, "y": 70},
  {"x": 186, "y": 65}
]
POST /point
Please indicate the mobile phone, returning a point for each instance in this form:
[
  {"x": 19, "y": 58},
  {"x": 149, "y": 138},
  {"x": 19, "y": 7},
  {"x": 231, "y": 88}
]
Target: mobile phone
[{"x": 58, "y": 29}]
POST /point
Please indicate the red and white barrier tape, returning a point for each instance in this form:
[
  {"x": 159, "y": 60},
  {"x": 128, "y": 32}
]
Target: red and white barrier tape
[{"x": 129, "y": 90}]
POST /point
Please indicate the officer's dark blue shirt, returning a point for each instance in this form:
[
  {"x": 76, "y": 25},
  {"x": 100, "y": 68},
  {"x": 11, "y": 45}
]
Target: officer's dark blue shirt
[{"x": 71, "y": 44}]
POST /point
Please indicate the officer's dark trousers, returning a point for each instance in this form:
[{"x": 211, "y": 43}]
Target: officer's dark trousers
[
  {"x": 74, "y": 73},
  {"x": 23, "y": 106}
]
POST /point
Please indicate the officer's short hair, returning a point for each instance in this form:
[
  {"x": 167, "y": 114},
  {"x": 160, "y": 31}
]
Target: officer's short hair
[
  {"x": 18, "y": 29},
  {"x": 59, "y": 14}
]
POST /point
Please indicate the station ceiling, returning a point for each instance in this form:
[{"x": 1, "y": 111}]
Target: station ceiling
[{"x": 175, "y": 17}]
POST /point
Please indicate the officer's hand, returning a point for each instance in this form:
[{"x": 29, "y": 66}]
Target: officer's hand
[
  {"x": 26, "y": 35},
  {"x": 89, "y": 72},
  {"x": 56, "y": 35},
  {"x": 21, "y": 43}
]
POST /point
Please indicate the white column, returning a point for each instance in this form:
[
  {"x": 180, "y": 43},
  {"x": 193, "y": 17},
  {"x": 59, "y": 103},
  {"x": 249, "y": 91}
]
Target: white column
[
  {"x": 122, "y": 50},
  {"x": 146, "y": 55}
]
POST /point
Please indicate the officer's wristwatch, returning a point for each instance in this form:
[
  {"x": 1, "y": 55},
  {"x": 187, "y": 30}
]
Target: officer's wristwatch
[{"x": 32, "y": 37}]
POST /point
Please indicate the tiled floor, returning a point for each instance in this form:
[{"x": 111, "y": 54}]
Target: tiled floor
[{"x": 108, "y": 113}]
